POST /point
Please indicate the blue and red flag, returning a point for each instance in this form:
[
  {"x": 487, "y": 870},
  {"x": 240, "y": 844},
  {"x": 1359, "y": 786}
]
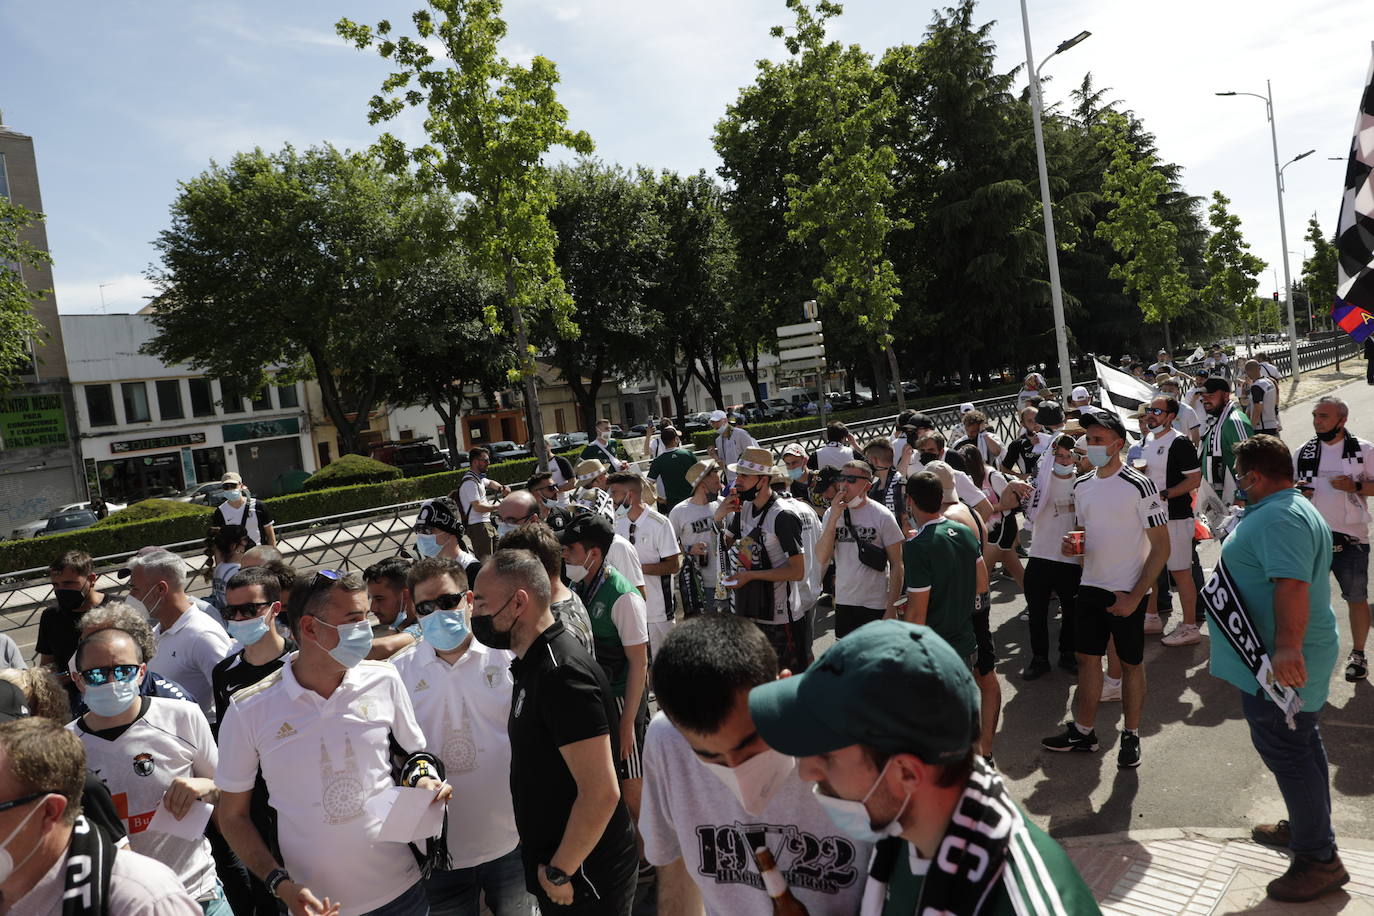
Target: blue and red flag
[{"x": 1353, "y": 310}]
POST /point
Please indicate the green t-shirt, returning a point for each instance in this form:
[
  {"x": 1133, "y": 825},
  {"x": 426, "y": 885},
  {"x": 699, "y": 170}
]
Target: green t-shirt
[
  {"x": 610, "y": 650},
  {"x": 671, "y": 467},
  {"x": 1235, "y": 427},
  {"x": 942, "y": 558},
  {"x": 904, "y": 891},
  {"x": 1282, "y": 537}
]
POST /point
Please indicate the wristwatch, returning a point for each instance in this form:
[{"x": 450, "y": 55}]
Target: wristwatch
[
  {"x": 557, "y": 876},
  {"x": 274, "y": 880}
]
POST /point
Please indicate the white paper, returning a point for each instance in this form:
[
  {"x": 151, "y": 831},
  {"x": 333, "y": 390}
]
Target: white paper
[
  {"x": 190, "y": 827},
  {"x": 407, "y": 815}
]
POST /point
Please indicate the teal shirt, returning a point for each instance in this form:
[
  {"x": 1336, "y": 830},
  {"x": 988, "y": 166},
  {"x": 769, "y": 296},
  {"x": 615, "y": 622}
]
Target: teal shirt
[{"x": 1282, "y": 537}]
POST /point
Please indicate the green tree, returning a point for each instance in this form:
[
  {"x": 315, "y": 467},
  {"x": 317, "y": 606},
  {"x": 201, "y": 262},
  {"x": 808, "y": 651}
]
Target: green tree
[
  {"x": 609, "y": 248},
  {"x": 1319, "y": 269},
  {"x": 295, "y": 262},
  {"x": 1232, "y": 271},
  {"x": 490, "y": 123},
  {"x": 19, "y": 330},
  {"x": 1151, "y": 268}
]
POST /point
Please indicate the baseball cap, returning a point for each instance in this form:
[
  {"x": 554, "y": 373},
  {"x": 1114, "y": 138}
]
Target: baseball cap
[
  {"x": 1079, "y": 393},
  {"x": 717, "y": 416},
  {"x": 591, "y": 528},
  {"x": 896, "y": 687},
  {"x": 1105, "y": 420},
  {"x": 921, "y": 421},
  {"x": 1215, "y": 384},
  {"x": 440, "y": 513},
  {"x": 13, "y": 703},
  {"x": 946, "y": 474},
  {"x": 231, "y": 477},
  {"x": 1049, "y": 414},
  {"x": 965, "y": 408},
  {"x": 795, "y": 449}
]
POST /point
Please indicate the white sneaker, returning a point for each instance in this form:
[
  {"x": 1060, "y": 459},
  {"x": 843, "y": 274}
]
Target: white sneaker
[
  {"x": 1153, "y": 624},
  {"x": 1111, "y": 692},
  {"x": 1185, "y": 634}
]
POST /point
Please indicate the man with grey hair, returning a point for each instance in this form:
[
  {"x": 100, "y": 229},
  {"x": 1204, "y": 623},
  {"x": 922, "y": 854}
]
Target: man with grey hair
[
  {"x": 576, "y": 836},
  {"x": 1264, "y": 400},
  {"x": 1335, "y": 470},
  {"x": 321, "y": 729},
  {"x": 190, "y": 643}
]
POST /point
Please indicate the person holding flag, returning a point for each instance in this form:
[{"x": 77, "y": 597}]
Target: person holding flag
[{"x": 1271, "y": 599}]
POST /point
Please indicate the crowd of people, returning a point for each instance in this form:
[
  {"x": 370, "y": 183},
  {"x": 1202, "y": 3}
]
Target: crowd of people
[{"x": 603, "y": 681}]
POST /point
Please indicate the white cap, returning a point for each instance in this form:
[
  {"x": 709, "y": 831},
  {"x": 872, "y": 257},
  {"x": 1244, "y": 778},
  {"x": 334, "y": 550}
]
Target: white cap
[
  {"x": 717, "y": 416},
  {"x": 1080, "y": 394},
  {"x": 965, "y": 408}
]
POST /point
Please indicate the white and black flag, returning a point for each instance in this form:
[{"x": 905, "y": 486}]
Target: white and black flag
[{"x": 1123, "y": 394}]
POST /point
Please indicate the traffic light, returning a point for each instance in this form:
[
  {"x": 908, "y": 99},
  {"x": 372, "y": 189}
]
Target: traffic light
[{"x": 1276, "y": 295}]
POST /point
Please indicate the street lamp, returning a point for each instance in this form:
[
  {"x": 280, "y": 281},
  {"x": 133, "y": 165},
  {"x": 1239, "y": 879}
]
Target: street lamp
[
  {"x": 1061, "y": 333},
  {"x": 1268, "y": 98}
]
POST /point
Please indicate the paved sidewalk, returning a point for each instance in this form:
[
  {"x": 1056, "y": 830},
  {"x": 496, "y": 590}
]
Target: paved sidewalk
[{"x": 1199, "y": 871}]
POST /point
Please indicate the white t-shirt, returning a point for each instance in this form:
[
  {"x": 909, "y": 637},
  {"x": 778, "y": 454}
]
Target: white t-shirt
[
  {"x": 855, "y": 583},
  {"x": 1055, "y": 519},
  {"x": 1343, "y": 512},
  {"x": 1114, "y": 513},
  {"x": 833, "y": 455},
  {"x": 624, "y": 559},
  {"x": 688, "y": 813},
  {"x": 189, "y": 652},
  {"x": 139, "y": 886},
  {"x": 1187, "y": 419},
  {"x": 470, "y": 492},
  {"x": 810, "y": 588},
  {"x": 322, "y": 759},
  {"x": 463, "y": 709},
  {"x": 985, "y": 441},
  {"x": 170, "y": 739},
  {"x": 695, "y": 524},
  {"x": 970, "y": 494},
  {"x": 1264, "y": 392},
  {"x": 654, "y": 541},
  {"x": 730, "y": 448}
]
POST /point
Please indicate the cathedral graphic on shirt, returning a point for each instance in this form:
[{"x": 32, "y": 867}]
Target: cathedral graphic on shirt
[
  {"x": 342, "y": 790},
  {"x": 459, "y": 749}
]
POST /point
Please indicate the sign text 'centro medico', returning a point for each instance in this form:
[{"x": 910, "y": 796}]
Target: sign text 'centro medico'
[{"x": 32, "y": 421}]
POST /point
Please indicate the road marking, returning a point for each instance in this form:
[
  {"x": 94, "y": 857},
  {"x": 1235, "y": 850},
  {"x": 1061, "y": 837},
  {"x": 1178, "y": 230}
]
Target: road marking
[{"x": 1368, "y": 725}]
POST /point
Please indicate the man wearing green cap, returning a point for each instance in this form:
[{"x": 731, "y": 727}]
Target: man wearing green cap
[{"x": 885, "y": 723}]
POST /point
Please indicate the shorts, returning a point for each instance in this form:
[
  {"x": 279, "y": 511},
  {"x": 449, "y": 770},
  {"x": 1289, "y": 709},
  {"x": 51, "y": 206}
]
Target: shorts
[
  {"x": 1003, "y": 534},
  {"x": 1180, "y": 544},
  {"x": 1095, "y": 626},
  {"x": 1350, "y": 565},
  {"x": 849, "y": 617},
  {"x": 632, "y": 767},
  {"x": 986, "y": 656}
]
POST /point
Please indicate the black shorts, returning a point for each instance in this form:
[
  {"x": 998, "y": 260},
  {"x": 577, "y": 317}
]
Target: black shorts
[
  {"x": 1094, "y": 626},
  {"x": 849, "y": 617},
  {"x": 632, "y": 767},
  {"x": 982, "y": 632},
  {"x": 1003, "y": 534}
]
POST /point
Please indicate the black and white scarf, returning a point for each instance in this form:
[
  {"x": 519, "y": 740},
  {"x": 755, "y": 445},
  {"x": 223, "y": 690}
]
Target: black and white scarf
[
  {"x": 1310, "y": 459},
  {"x": 1230, "y": 617},
  {"x": 86, "y": 873}
]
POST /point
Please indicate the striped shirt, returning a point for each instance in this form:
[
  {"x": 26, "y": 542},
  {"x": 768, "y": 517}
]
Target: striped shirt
[{"x": 1115, "y": 546}]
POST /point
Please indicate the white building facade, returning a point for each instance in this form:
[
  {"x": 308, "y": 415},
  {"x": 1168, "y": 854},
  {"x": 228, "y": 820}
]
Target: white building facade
[{"x": 149, "y": 429}]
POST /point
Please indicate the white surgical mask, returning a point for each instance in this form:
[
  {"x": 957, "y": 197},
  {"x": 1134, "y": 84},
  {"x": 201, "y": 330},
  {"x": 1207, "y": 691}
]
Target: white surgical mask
[
  {"x": 757, "y": 780},
  {"x": 1064, "y": 470},
  {"x": 576, "y": 573},
  {"x": 852, "y": 817},
  {"x": 138, "y": 605},
  {"x": 7, "y": 865}
]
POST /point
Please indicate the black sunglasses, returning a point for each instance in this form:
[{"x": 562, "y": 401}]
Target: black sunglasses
[
  {"x": 25, "y": 799},
  {"x": 852, "y": 478},
  {"x": 96, "y": 677},
  {"x": 447, "y": 602},
  {"x": 244, "y": 611},
  {"x": 325, "y": 578},
  {"x": 1155, "y": 411}
]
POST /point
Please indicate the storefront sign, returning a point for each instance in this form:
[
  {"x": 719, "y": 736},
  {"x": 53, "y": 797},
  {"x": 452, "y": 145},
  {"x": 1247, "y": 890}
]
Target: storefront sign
[
  {"x": 143, "y": 445},
  {"x": 32, "y": 421},
  {"x": 262, "y": 429}
]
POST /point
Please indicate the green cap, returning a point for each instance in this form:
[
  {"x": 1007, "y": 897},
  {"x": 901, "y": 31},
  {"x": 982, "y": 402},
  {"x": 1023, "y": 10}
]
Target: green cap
[{"x": 896, "y": 687}]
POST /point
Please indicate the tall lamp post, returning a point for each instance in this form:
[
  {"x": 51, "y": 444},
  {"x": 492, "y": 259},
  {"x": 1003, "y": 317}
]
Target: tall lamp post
[
  {"x": 1061, "y": 333},
  {"x": 1268, "y": 98}
]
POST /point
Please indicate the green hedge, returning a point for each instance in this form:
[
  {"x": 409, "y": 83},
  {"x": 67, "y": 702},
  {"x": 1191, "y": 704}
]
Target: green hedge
[
  {"x": 151, "y": 509},
  {"x": 347, "y": 470},
  {"x": 103, "y": 540}
]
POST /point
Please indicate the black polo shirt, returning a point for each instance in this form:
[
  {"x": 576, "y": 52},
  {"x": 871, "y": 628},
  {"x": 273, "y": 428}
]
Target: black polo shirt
[{"x": 561, "y": 697}]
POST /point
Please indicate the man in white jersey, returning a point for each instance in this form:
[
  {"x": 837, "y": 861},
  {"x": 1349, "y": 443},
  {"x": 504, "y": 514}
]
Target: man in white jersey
[
  {"x": 1172, "y": 464},
  {"x": 1264, "y": 400},
  {"x": 660, "y": 554},
  {"x": 693, "y": 522}
]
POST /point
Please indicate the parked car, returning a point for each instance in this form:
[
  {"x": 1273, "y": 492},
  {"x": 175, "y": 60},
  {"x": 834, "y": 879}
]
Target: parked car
[
  {"x": 35, "y": 527},
  {"x": 456, "y": 461},
  {"x": 69, "y": 521},
  {"x": 506, "y": 450},
  {"x": 413, "y": 456},
  {"x": 557, "y": 441},
  {"x": 696, "y": 422},
  {"x": 578, "y": 440},
  {"x": 202, "y": 494}
]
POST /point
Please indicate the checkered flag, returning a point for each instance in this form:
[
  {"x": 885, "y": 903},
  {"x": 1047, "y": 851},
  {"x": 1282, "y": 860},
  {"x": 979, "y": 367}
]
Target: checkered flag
[{"x": 1353, "y": 309}]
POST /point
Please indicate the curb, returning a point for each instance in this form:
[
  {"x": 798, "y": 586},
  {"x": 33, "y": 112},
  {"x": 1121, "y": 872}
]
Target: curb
[{"x": 1163, "y": 834}]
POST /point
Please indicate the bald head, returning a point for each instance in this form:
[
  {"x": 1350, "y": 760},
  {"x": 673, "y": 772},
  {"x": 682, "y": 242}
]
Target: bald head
[
  {"x": 110, "y": 647},
  {"x": 518, "y": 508},
  {"x": 1252, "y": 369}
]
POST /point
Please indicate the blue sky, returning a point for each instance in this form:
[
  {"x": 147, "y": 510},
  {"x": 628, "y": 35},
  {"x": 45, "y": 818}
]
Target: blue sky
[{"x": 126, "y": 99}]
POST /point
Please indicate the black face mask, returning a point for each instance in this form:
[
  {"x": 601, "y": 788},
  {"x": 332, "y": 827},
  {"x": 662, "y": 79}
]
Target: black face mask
[
  {"x": 69, "y": 599},
  {"x": 927, "y": 458},
  {"x": 485, "y": 630},
  {"x": 748, "y": 495},
  {"x": 1330, "y": 434}
]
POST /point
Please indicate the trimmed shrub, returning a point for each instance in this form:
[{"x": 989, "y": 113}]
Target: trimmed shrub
[
  {"x": 150, "y": 509},
  {"x": 347, "y": 470},
  {"x": 104, "y": 540}
]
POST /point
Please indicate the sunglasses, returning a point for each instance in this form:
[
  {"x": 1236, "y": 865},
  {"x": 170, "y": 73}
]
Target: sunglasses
[
  {"x": 1155, "y": 411},
  {"x": 96, "y": 677},
  {"x": 448, "y": 602},
  {"x": 245, "y": 611},
  {"x": 25, "y": 799},
  {"x": 325, "y": 578},
  {"x": 852, "y": 478}
]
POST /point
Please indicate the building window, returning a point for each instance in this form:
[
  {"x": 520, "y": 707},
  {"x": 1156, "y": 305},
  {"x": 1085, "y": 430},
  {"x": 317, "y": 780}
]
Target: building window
[
  {"x": 286, "y": 396},
  {"x": 202, "y": 398},
  {"x": 559, "y": 425},
  {"x": 135, "y": 402},
  {"x": 100, "y": 405},
  {"x": 263, "y": 401},
  {"x": 169, "y": 399},
  {"x": 231, "y": 396}
]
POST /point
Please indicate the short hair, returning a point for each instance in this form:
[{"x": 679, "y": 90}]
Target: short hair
[
  {"x": 230, "y": 535},
  {"x": 600, "y": 421},
  {"x": 43, "y": 692},
  {"x": 434, "y": 567},
  {"x": 626, "y": 478},
  {"x": 1339, "y": 403},
  {"x": 116, "y": 615},
  {"x": 540, "y": 540},
  {"x": 1264, "y": 454},
  {"x": 523, "y": 569},
  {"x": 947, "y": 776},
  {"x": 317, "y": 598},
  {"x": 1063, "y": 440},
  {"x": 599, "y": 536},
  {"x": 1028, "y": 409},
  {"x": 974, "y": 416},
  {"x": 882, "y": 445},
  {"x": 539, "y": 479},
  {"x": 392, "y": 570},
  {"x": 44, "y": 756},
  {"x": 974, "y": 465},
  {"x": 935, "y": 437},
  {"x": 478, "y": 451},
  {"x": 704, "y": 663},
  {"x": 836, "y": 432},
  {"x": 669, "y": 435},
  {"x": 926, "y": 492},
  {"x": 78, "y": 561},
  {"x": 858, "y": 465},
  {"x": 904, "y": 418},
  {"x": 261, "y": 576},
  {"x": 162, "y": 565},
  {"x": 266, "y": 553},
  {"x": 921, "y": 421},
  {"x": 104, "y": 637}
]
